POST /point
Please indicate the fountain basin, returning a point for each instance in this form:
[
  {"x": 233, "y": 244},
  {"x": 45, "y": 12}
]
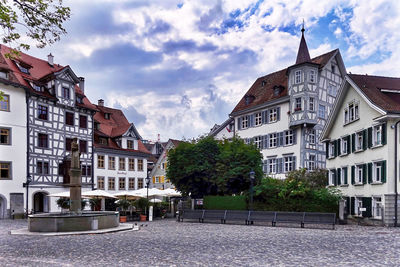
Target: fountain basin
[{"x": 64, "y": 222}]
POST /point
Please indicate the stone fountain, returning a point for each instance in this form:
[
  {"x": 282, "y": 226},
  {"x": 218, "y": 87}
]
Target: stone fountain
[{"x": 75, "y": 219}]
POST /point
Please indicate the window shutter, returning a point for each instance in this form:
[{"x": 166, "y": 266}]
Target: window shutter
[
  {"x": 327, "y": 178},
  {"x": 264, "y": 117},
  {"x": 369, "y": 173},
  {"x": 384, "y": 134},
  {"x": 348, "y": 204},
  {"x": 338, "y": 147},
  {"x": 345, "y": 175},
  {"x": 367, "y": 204},
  {"x": 295, "y": 136},
  {"x": 348, "y": 144},
  {"x": 384, "y": 171},
  {"x": 335, "y": 148},
  {"x": 267, "y": 116},
  {"x": 352, "y": 204},
  {"x": 162, "y": 179},
  {"x": 239, "y": 123},
  {"x": 364, "y": 139},
  {"x": 369, "y": 137},
  {"x": 294, "y": 162},
  {"x": 266, "y": 166},
  {"x": 280, "y": 165},
  {"x": 364, "y": 166},
  {"x": 154, "y": 179},
  {"x": 353, "y": 143},
  {"x": 280, "y": 139},
  {"x": 338, "y": 176},
  {"x": 266, "y": 143},
  {"x": 251, "y": 120},
  {"x": 327, "y": 149},
  {"x": 353, "y": 170},
  {"x": 278, "y": 113}
]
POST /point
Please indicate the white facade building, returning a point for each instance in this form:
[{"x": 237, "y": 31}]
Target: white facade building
[
  {"x": 224, "y": 131},
  {"x": 360, "y": 140},
  {"x": 283, "y": 113}
]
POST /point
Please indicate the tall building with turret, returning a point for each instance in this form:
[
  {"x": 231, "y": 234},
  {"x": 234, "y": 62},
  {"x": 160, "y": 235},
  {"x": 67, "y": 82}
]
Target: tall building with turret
[{"x": 283, "y": 113}]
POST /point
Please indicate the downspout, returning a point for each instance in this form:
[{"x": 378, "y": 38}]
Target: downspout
[
  {"x": 395, "y": 173},
  {"x": 92, "y": 174},
  {"x": 27, "y": 152}
]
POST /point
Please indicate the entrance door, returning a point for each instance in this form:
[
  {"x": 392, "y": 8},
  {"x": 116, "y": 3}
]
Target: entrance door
[
  {"x": 3, "y": 207},
  {"x": 40, "y": 202}
]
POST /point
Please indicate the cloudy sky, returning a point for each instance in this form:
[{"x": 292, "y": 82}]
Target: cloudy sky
[{"x": 177, "y": 67}]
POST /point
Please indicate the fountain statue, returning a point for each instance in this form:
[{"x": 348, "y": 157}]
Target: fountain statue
[{"x": 75, "y": 182}]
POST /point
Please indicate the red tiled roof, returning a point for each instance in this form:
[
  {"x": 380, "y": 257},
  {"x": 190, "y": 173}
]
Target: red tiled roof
[
  {"x": 262, "y": 90},
  {"x": 176, "y": 142},
  {"x": 371, "y": 87},
  {"x": 38, "y": 71}
]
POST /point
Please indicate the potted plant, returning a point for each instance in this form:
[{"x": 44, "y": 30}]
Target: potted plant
[
  {"x": 142, "y": 204},
  {"x": 64, "y": 204},
  {"x": 124, "y": 205}
]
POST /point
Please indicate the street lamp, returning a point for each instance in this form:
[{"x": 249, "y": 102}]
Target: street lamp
[
  {"x": 28, "y": 181},
  {"x": 147, "y": 185},
  {"x": 252, "y": 175}
]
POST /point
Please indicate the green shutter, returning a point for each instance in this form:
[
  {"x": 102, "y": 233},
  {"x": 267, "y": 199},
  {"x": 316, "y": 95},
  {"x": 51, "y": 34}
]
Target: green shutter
[
  {"x": 369, "y": 137},
  {"x": 383, "y": 170},
  {"x": 367, "y": 204},
  {"x": 327, "y": 149},
  {"x": 348, "y": 144},
  {"x": 384, "y": 134},
  {"x": 335, "y": 148},
  {"x": 364, "y": 139},
  {"x": 334, "y": 177},
  {"x": 370, "y": 173},
  {"x": 348, "y": 204},
  {"x": 364, "y": 166},
  {"x": 353, "y": 142},
  {"x": 338, "y": 176},
  {"x": 339, "y": 148},
  {"x": 353, "y": 174},
  {"x": 327, "y": 178},
  {"x": 352, "y": 201},
  {"x": 345, "y": 175}
]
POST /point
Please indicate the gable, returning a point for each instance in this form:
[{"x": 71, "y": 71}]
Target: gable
[
  {"x": 68, "y": 75},
  {"x": 132, "y": 132}
]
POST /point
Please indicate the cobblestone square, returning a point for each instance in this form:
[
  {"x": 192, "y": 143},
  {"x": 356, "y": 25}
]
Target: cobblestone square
[{"x": 169, "y": 243}]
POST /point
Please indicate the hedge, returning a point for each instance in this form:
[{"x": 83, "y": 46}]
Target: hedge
[{"x": 225, "y": 203}]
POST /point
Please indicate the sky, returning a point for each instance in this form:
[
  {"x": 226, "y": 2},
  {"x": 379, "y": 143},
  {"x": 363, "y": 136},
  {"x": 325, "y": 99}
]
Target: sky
[{"x": 177, "y": 67}]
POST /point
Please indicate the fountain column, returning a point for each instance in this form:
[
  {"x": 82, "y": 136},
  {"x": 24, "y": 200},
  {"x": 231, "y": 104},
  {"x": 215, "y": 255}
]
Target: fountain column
[{"x": 75, "y": 179}]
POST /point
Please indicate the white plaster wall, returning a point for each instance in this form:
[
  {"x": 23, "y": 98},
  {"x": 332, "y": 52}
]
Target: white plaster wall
[
  {"x": 16, "y": 152},
  {"x": 224, "y": 134}
]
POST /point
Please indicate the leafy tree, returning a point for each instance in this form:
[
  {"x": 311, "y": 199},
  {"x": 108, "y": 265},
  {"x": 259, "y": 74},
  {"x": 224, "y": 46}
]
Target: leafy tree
[
  {"x": 42, "y": 20},
  {"x": 314, "y": 179}
]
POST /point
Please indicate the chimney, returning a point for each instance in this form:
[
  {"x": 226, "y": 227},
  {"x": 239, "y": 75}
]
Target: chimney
[
  {"x": 50, "y": 59},
  {"x": 101, "y": 102},
  {"x": 82, "y": 84}
]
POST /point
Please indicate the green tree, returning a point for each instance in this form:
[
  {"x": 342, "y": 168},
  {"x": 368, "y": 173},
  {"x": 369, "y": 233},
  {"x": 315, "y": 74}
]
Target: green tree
[
  {"x": 314, "y": 179},
  {"x": 234, "y": 163}
]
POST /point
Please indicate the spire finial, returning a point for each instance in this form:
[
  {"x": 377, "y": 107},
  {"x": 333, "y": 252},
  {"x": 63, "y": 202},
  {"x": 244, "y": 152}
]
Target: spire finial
[{"x": 302, "y": 28}]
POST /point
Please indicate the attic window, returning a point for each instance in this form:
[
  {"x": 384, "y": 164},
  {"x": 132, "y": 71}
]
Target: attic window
[
  {"x": 107, "y": 116},
  {"x": 277, "y": 90},
  {"x": 23, "y": 68},
  {"x": 333, "y": 68},
  {"x": 3, "y": 75},
  {"x": 97, "y": 126},
  {"x": 103, "y": 141},
  {"x": 79, "y": 99},
  {"x": 37, "y": 88},
  {"x": 248, "y": 99},
  {"x": 263, "y": 83}
]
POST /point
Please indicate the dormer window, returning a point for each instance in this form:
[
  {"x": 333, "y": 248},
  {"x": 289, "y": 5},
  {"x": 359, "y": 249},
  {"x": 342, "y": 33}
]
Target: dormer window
[
  {"x": 97, "y": 126},
  {"x": 3, "y": 75},
  {"x": 248, "y": 99},
  {"x": 107, "y": 116},
  {"x": 103, "y": 141},
  {"x": 24, "y": 68},
  {"x": 263, "y": 83},
  {"x": 37, "y": 88},
  {"x": 130, "y": 144},
  {"x": 79, "y": 99},
  {"x": 278, "y": 90},
  {"x": 65, "y": 93}
]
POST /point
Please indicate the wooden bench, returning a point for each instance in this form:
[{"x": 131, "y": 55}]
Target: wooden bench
[
  {"x": 319, "y": 218},
  {"x": 237, "y": 215},
  {"x": 262, "y": 216}
]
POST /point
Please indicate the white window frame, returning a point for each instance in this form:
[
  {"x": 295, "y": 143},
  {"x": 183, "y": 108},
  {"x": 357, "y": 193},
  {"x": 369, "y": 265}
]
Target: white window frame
[
  {"x": 352, "y": 110},
  {"x": 332, "y": 89},
  {"x": 377, "y": 135},
  {"x": 358, "y": 206},
  {"x": 272, "y": 166},
  {"x": 359, "y": 174},
  {"x": 273, "y": 140},
  {"x": 342, "y": 175},
  {"x": 359, "y": 141},
  {"x": 311, "y": 104},
  {"x": 331, "y": 177},
  {"x": 343, "y": 144},
  {"x": 273, "y": 115},
  {"x": 321, "y": 111},
  {"x": 258, "y": 119},
  {"x": 331, "y": 150},
  {"x": 257, "y": 141},
  {"x": 311, "y": 162},
  {"x": 311, "y": 137},
  {"x": 377, "y": 172},
  {"x": 289, "y": 137},
  {"x": 298, "y": 76},
  {"x": 312, "y": 76},
  {"x": 245, "y": 122},
  {"x": 346, "y": 116},
  {"x": 297, "y": 104},
  {"x": 288, "y": 163},
  {"x": 377, "y": 207}
]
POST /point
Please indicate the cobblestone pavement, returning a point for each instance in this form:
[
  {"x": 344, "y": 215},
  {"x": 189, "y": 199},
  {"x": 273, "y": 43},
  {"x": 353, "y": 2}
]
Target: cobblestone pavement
[{"x": 169, "y": 243}]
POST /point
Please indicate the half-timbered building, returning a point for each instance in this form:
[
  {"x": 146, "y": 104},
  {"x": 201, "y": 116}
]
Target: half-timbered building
[{"x": 283, "y": 113}]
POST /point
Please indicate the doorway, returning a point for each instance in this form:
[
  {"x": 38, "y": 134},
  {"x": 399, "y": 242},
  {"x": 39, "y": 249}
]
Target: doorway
[
  {"x": 40, "y": 202},
  {"x": 3, "y": 207}
]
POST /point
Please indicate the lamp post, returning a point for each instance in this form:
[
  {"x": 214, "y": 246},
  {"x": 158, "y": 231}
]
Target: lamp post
[
  {"x": 252, "y": 175},
  {"x": 147, "y": 185},
  {"x": 26, "y": 184}
]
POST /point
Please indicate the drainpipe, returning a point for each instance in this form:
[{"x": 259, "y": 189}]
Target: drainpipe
[
  {"x": 395, "y": 173},
  {"x": 92, "y": 174},
  {"x": 28, "y": 176}
]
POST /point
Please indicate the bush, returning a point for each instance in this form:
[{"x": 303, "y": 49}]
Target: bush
[
  {"x": 141, "y": 204},
  {"x": 225, "y": 202},
  {"x": 64, "y": 203}
]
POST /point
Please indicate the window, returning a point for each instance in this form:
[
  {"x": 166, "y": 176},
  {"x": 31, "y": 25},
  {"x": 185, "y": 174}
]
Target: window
[
  {"x": 245, "y": 122},
  {"x": 107, "y": 116},
  {"x": 121, "y": 184},
  {"x": 69, "y": 118},
  {"x": 43, "y": 140},
  {"x": 311, "y": 104},
  {"x": 79, "y": 100},
  {"x": 331, "y": 150},
  {"x": 359, "y": 174},
  {"x": 343, "y": 176},
  {"x": 321, "y": 111},
  {"x": 272, "y": 165},
  {"x": 273, "y": 115},
  {"x": 333, "y": 68},
  {"x": 140, "y": 165},
  {"x": 36, "y": 87},
  {"x": 82, "y": 121},
  {"x": 131, "y": 164},
  {"x": 5, "y": 170},
  {"x": 68, "y": 142},
  {"x": 111, "y": 163},
  {"x": 131, "y": 184},
  {"x": 111, "y": 183},
  {"x": 3, "y": 75},
  {"x": 86, "y": 170},
  {"x": 311, "y": 162},
  {"x": 100, "y": 161},
  {"x": 359, "y": 141},
  {"x": 332, "y": 177},
  {"x": 82, "y": 146},
  {"x": 358, "y": 204},
  {"x": 289, "y": 163},
  {"x": 42, "y": 112},
  {"x": 351, "y": 112},
  {"x": 5, "y": 137},
  {"x": 140, "y": 183},
  {"x": 311, "y": 137},
  {"x": 346, "y": 116},
  {"x": 297, "y": 76},
  {"x": 121, "y": 164},
  {"x": 297, "y": 105},
  {"x": 258, "y": 119},
  {"x": 5, "y": 103},
  {"x": 273, "y": 140},
  {"x": 100, "y": 182},
  {"x": 42, "y": 167},
  {"x": 23, "y": 69},
  {"x": 377, "y": 207},
  {"x": 289, "y": 137},
  {"x": 130, "y": 144},
  {"x": 377, "y": 135},
  {"x": 344, "y": 145},
  {"x": 332, "y": 89},
  {"x": 65, "y": 92},
  {"x": 103, "y": 141},
  {"x": 312, "y": 76},
  {"x": 258, "y": 142},
  {"x": 377, "y": 172}
]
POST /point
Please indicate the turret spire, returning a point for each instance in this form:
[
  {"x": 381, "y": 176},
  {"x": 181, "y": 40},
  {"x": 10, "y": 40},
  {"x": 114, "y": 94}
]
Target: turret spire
[{"x": 303, "y": 55}]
